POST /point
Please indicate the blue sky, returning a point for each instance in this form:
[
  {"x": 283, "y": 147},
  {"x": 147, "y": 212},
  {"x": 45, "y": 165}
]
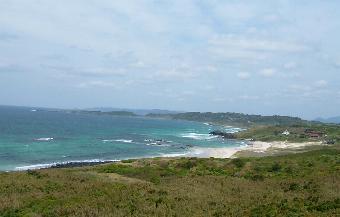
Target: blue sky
[{"x": 262, "y": 57}]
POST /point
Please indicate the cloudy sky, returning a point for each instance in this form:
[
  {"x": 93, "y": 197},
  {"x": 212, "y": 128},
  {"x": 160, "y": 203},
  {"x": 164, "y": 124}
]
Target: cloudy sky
[{"x": 255, "y": 56}]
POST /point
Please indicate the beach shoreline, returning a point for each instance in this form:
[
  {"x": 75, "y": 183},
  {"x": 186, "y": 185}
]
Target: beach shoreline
[
  {"x": 254, "y": 148},
  {"x": 249, "y": 149}
]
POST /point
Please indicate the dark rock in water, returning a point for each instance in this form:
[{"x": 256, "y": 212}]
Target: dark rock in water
[
  {"x": 79, "y": 164},
  {"x": 223, "y": 134},
  {"x": 158, "y": 142}
]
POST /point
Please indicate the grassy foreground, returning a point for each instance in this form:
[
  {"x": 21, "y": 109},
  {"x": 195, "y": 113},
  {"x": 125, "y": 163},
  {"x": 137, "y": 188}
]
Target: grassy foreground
[{"x": 306, "y": 184}]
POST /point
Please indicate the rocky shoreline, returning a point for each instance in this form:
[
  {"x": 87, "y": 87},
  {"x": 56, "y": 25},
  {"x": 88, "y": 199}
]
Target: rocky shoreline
[
  {"x": 224, "y": 135},
  {"x": 79, "y": 164}
]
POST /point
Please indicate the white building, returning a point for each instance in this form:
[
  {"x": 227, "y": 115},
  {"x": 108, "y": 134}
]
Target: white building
[{"x": 286, "y": 133}]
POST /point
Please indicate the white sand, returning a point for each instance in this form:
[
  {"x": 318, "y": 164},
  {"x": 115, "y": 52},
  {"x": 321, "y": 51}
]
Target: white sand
[
  {"x": 214, "y": 152},
  {"x": 257, "y": 146}
]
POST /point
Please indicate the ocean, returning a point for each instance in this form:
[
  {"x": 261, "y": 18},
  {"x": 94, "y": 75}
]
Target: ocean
[{"x": 33, "y": 138}]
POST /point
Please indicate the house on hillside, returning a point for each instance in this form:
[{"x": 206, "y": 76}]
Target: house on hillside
[
  {"x": 313, "y": 134},
  {"x": 286, "y": 133}
]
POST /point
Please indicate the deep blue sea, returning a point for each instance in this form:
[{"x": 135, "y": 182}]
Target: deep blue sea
[{"x": 33, "y": 138}]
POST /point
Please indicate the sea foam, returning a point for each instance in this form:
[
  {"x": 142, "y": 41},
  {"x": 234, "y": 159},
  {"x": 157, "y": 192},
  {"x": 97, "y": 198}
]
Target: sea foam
[
  {"x": 234, "y": 129},
  {"x": 48, "y": 165},
  {"x": 44, "y": 139},
  {"x": 198, "y": 136},
  {"x": 118, "y": 140},
  {"x": 174, "y": 155}
]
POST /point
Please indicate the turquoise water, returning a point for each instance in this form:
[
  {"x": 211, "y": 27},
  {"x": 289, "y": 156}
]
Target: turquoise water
[{"x": 32, "y": 139}]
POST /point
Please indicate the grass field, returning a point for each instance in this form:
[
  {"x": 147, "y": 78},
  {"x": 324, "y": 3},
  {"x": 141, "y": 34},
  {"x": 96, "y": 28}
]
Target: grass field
[
  {"x": 306, "y": 184},
  {"x": 329, "y": 132}
]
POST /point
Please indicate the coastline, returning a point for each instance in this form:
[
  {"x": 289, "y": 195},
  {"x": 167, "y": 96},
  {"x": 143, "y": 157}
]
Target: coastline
[
  {"x": 65, "y": 164},
  {"x": 253, "y": 148},
  {"x": 249, "y": 149}
]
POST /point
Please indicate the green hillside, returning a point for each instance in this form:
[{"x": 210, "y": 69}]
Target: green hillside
[
  {"x": 235, "y": 119},
  {"x": 294, "y": 185}
]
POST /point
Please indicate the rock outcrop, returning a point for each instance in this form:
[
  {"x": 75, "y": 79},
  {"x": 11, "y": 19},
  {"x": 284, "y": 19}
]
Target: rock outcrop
[{"x": 223, "y": 134}]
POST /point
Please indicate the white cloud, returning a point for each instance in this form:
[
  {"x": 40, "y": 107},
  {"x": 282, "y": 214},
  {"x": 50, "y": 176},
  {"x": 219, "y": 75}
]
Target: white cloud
[
  {"x": 308, "y": 91},
  {"x": 291, "y": 75},
  {"x": 235, "y": 12},
  {"x": 243, "y": 75},
  {"x": 299, "y": 88},
  {"x": 115, "y": 43},
  {"x": 188, "y": 93},
  {"x": 139, "y": 64},
  {"x": 290, "y": 65},
  {"x": 271, "y": 18},
  {"x": 321, "y": 83},
  {"x": 175, "y": 74},
  {"x": 253, "y": 48},
  {"x": 209, "y": 87},
  {"x": 337, "y": 63},
  {"x": 219, "y": 99},
  {"x": 73, "y": 71},
  {"x": 96, "y": 84},
  {"x": 249, "y": 97},
  {"x": 268, "y": 72},
  {"x": 254, "y": 44},
  {"x": 226, "y": 53},
  {"x": 210, "y": 68}
]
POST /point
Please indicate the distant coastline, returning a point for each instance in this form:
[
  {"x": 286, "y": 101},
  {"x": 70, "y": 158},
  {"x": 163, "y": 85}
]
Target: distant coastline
[
  {"x": 196, "y": 139},
  {"x": 249, "y": 149}
]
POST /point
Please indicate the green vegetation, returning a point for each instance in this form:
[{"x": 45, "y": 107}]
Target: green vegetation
[
  {"x": 328, "y": 133},
  {"x": 234, "y": 119},
  {"x": 266, "y": 128},
  {"x": 304, "y": 184}
]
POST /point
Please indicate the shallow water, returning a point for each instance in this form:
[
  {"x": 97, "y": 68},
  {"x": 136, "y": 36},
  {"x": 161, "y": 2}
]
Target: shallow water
[{"x": 32, "y": 138}]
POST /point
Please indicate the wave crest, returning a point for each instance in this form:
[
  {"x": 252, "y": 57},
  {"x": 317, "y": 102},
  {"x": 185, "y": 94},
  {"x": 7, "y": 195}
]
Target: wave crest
[
  {"x": 44, "y": 139},
  {"x": 198, "y": 136},
  {"x": 118, "y": 140}
]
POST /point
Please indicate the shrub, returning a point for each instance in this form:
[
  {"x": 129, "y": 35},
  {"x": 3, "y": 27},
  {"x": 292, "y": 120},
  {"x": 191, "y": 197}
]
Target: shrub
[
  {"x": 257, "y": 177},
  {"x": 238, "y": 162},
  {"x": 187, "y": 164},
  {"x": 289, "y": 170},
  {"x": 155, "y": 179},
  {"x": 128, "y": 161},
  {"x": 276, "y": 167},
  {"x": 34, "y": 173},
  {"x": 264, "y": 210},
  {"x": 328, "y": 205},
  {"x": 293, "y": 187}
]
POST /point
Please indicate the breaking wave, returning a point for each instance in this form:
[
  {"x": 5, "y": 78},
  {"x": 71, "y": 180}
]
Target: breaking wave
[
  {"x": 48, "y": 165},
  {"x": 118, "y": 140},
  {"x": 44, "y": 139},
  {"x": 198, "y": 136}
]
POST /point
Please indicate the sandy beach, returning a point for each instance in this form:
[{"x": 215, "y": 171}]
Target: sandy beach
[
  {"x": 259, "y": 146},
  {"x": 213, "y": 152},
  {"x": 256, "y": 148}
]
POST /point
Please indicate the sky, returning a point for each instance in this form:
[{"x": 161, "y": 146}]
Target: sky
[{"x": 251, "y": 56}]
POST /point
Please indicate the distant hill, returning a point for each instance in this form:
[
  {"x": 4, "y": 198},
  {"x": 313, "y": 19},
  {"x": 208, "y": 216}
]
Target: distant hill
[
  {"x": 141, "y": 112},
  {"x": 235, "y": 119},
  {"x": 116, "y": 113},
  {"x": 334, "y": 120}
]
